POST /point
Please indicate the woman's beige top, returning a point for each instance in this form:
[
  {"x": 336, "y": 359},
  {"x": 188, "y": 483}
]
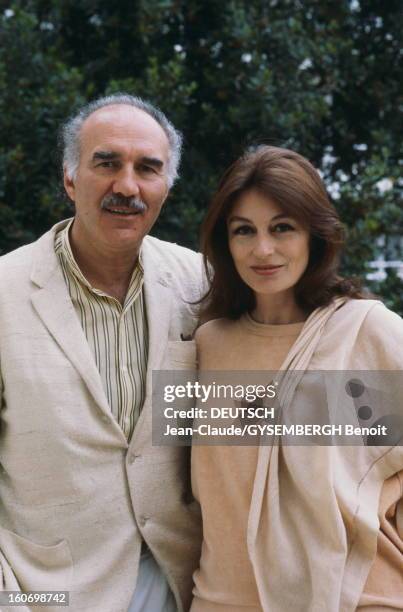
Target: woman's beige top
[
  {"x": 223, "y": 476},
  {"x": 238, "y": 524}
]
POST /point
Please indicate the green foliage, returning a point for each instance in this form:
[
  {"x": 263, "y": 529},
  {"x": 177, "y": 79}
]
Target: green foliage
[
  {"x": 319, "y": 77},
  {"x": 391, "y": 290},
  {"x": 38, "y": 91}
]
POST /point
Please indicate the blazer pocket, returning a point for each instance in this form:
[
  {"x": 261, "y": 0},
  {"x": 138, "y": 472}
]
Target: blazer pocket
[
  {"x": 181, "y": 355},
  {"x": 35, "y": 567}
]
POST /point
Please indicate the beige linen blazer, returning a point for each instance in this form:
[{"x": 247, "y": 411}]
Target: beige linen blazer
[{"x": 76, "y": 499}]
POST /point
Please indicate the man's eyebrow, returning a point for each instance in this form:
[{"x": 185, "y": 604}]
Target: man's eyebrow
[
  {"x": 152, "y": 161},
  {"x": 105, "y": 155},
  {"x": 155, "y": 162}
]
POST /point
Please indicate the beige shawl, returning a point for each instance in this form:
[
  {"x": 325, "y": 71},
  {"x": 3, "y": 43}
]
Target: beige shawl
[{"x": 318, "y": 505}]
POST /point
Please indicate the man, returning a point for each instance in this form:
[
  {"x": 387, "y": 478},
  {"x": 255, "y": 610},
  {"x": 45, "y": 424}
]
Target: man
[{"x": 88, "y": 505}]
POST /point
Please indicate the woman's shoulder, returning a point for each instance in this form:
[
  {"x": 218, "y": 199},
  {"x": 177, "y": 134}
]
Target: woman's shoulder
[
  {"x": 213, "y": 329},
  {"x": 374, "y": 316},
  {"x": 383, "y": 327},
  {"x": 367, "y": 331},
  {"x": 214, "y": 343}
]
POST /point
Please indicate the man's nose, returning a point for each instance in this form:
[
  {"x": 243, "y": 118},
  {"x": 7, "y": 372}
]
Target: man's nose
[
  {"x": 126, "y": 183},
  {"x": 264, "y": 246}
]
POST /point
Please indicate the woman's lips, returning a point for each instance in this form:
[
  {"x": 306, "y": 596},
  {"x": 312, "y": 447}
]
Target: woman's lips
[{"x": 266, "y": 270}]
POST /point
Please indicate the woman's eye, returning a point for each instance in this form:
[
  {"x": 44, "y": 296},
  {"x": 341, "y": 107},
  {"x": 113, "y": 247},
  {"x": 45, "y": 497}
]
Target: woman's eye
[
  {"x": 280, "y": 228},
  {"x": 243, "y": 230}
]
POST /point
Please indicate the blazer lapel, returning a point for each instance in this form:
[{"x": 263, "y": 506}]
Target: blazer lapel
[
  {"x": 158, "y": 301},
  {"x": 53, "y": 305}
]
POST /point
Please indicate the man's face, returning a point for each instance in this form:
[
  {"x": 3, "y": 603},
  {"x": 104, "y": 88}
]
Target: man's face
[{"x": 123, "y": 160}]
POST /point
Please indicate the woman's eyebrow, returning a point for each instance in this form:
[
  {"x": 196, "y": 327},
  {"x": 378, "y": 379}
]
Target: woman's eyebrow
[
  {"x": 237, "y": 218},
  {"x": 275, "y": 218},
  {"x": 280, "y": 216}
]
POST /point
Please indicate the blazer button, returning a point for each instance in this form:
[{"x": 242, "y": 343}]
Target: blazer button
[{"x": 133, "y": 457}]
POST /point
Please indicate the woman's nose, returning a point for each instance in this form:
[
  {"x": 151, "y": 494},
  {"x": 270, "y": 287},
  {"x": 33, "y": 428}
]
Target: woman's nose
[{"x": 264, "y": 246}]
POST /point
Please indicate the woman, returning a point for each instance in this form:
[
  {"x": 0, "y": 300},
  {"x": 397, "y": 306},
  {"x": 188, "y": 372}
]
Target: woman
[{"x": 301, "y": 528}]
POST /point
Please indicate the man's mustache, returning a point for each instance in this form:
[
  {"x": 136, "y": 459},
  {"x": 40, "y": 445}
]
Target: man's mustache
[{"x": 131, "y": 203}]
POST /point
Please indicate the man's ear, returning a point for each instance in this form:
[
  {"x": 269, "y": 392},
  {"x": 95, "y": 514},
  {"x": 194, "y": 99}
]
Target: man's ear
[{"x": 69, "y": 185}]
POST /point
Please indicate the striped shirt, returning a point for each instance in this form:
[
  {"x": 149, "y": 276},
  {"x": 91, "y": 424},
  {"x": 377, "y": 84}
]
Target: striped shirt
[{"x": 117, "y": 335}]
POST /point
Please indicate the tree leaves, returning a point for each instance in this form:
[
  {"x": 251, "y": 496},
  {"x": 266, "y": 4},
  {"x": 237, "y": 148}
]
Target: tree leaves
[{"x": 319, "y": 77}]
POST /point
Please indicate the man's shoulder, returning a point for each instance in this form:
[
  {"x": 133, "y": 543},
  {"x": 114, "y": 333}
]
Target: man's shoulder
[
  {"x": 173, "y": 251},
  {"x": 177, "y": 261},
  {"x": 19, "y": 263},
  {"x": 19, "y": 259},
  {"x": 179, "y": 266}
]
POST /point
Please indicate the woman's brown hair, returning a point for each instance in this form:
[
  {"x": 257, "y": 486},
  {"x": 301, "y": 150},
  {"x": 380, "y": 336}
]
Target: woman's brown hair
[{"x": 293, "y": 183}]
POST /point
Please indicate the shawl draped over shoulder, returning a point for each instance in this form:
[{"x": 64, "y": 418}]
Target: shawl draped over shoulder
[{"x": 313, "y": 520}]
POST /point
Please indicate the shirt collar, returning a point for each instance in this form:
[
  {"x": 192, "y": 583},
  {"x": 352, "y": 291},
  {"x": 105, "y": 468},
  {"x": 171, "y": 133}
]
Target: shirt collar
[{"x": 63, "y": 249}]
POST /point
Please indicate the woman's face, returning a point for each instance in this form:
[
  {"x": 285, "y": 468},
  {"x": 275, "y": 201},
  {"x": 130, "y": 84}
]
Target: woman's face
[{"x": 270, "y": 249}]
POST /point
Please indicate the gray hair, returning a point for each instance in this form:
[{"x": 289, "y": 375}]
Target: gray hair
[{"x": 71, "y": 131}]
